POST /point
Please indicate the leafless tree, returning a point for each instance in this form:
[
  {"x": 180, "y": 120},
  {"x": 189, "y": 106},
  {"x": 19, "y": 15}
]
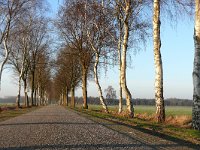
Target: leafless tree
[
  {"x": 100, "y": 34},
  {"x": 132, "y": 27},
  {"x": 68, "y": 65},
  {"x": 71, "y": 24},
  {"x": 10, "y": 12},
  {"x": 110, "y": 92}
]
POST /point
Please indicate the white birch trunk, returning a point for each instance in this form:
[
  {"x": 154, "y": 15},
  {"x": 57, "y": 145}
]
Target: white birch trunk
[
  {"x": 196, "y": 70},
  {"x": 159, "y": 99},
  {"x": 19, "y": 81},
  {"x": 120, "y": 65},
  {"x": 102, "y": 101},
  {"x": 97, "y": 82},
  {"x": 19, "y": 93},
  {"x": 4, "y": 60},
  {"x": 123, "y": 65}
]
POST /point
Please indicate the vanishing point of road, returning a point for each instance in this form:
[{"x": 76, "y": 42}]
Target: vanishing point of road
[{"x": 54, "y": 127}]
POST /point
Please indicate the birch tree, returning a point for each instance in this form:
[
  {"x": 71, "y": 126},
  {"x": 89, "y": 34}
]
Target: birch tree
[
  {"x": 19, "y": 54},
  {"x": 10, "y": 10},
  {"x": 43, "y": 76},
  {"x": 39, "y": 41},
  {"x": 100, "y": 34},
  {"x": 196, "y": 69},
  {"x": 132, "y": 28},
  {"x": 119, "y": 25},
  {"x": 175, "y": 9},
  {"x": 159, "y": 99}
]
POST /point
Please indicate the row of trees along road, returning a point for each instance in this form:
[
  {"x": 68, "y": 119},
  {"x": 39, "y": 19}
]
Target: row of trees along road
[
  {"x": 24, "y": 46},
  {"x": 92, "y": 34}
]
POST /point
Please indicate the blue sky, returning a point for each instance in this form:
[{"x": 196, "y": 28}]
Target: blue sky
[{"x": 177, "y": 55}]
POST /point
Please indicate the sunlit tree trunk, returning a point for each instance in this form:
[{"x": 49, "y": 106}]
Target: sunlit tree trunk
[
  {"x": 97, "y": 82},
  {"x": 72, "y": 97},
  {"x": 84, "y": 87},
  {"x": 25, "y": 93},
  {"x": 159, "y": 99},
  {"x": 120, "y": 65},
  {"x": 4, "y": 59},
  {"x": 123, "y": 65},
  {"x": 196, "y": 70},
  {"x": 19, "y": 93}
]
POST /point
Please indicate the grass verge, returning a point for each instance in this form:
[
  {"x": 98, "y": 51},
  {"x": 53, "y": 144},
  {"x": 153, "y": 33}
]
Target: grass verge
[
  {"x": 11, "y": 112},
  {"x": 172, "y": 129}
]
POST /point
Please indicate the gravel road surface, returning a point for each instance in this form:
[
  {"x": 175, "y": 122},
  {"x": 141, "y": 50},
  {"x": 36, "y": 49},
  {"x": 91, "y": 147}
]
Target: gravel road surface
[{"x": 54, "y": 127}]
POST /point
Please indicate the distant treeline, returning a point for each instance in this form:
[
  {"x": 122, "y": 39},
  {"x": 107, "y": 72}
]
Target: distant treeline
[
  {"x": 137, "y": 101},
  {"x": 9, "y": 99}
]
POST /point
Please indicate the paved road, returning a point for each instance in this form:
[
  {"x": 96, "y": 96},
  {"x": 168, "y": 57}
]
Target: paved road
[{"x": 54, "y": 127}]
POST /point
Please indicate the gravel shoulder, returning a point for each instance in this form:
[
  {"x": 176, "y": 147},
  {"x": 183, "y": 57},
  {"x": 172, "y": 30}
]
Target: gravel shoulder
[{"x": 54, "y": 127}]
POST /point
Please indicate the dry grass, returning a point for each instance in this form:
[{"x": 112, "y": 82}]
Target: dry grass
[
  {"x": 180, "y": 121},
  {"x": 12, "y": 111},
  {"x": 176, "y": 116}
]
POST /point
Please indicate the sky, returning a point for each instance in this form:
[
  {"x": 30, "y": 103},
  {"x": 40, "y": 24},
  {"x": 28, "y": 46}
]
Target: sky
[{"x": 177, "y": 55}]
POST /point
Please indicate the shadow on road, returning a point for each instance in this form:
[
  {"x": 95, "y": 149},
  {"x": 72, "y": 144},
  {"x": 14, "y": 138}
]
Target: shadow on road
[
  {"x": 91, "y": 146},
  {"x": 177, "y": 141}
]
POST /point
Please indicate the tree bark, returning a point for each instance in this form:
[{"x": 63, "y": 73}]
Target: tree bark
[
  {"x": 33, "y": 88},
  {"x": 120, "y": 64},
  {"x": 97, "y": 83},
  {"x": 19, "y": 93},
  {"x": 123, "y": 65},
  {"x": 159, "y": 99},
  {"x": 72, "y": 97},
  {"x": 35, "y": 97},
  {"x": 84, "y": 87},
  {"x": 4, "y": 60},
  {"x": 64, "y": 97},
  {"x": 67, "y": 98},
  {"x": 25, "y": 93},
  {"x": 196, "y": 70}
]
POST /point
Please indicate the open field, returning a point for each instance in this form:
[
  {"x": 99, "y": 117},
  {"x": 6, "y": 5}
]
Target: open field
[
  {"x": 150, "y": 110},
  {"x": 6, "y": 104}
]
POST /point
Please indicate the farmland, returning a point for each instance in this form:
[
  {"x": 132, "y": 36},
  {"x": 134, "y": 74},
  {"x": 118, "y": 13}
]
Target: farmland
[{"x": 150, "y": 110}]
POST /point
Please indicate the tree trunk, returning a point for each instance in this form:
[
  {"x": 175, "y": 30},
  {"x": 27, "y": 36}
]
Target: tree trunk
[
  {"x": 64, "y": 97},
  {"x": 159, "y": 99},
  {"x": 97, "y": 83},
  {"x": 33, "y": 88},
  {"x": 19, "y": 93},
  {"x": 84, "y": 87},
  {"x": 120, "y": 65},
  {"x": 196, "y": 70},
  {"x": 123, "y": 65},
  {"x": 67, "y": 98},
  {"x": 4, "y": 60},
  {"x": 120, "y": 97},
  {"x": 72, "y": 98},
  {"x": 25, "y": 94},
  {"x": 35, "y": 97}
]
